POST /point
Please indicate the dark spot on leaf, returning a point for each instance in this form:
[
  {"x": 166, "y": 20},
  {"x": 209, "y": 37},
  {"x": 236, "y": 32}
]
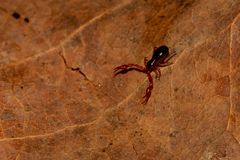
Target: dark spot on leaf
[
  {"x": 173, "y": 134},
  {"x": 26, "y": 20},
  {"x": 16, "y": 15}
]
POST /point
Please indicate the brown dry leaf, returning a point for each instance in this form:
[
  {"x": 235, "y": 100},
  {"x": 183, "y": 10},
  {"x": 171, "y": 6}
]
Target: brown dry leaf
[{"x": 59, "y": 100}]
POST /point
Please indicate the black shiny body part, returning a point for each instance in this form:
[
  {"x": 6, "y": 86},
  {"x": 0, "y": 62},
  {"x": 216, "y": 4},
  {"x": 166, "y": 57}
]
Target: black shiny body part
[{"x": 160, "y": 58}]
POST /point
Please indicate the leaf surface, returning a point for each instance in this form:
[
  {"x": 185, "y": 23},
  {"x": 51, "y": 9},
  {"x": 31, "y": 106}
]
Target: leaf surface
[{"x": 59, "y": 99}]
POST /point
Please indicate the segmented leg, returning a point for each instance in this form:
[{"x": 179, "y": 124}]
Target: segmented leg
[
  {"x": 169, "y": 57},
  {"x": 155, "y": 48},
  {"x": 158, "y": 74},
  {"x": 127, "y": 67},
  {"x": 145, "y": 61},
  {"x": 148, "y": 90},
  {"x": 165, "y": 64}
]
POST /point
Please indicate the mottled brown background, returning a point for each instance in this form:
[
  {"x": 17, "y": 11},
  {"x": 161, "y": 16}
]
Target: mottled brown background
[{"x": 59, "y": 101}]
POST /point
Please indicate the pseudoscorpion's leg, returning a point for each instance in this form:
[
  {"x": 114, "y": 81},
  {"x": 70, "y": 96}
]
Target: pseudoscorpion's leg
[
  {"x": 170, "y": 57},
  {"x": 158, "y": 73},
  {"x": 165, "y": 64},
  {"x": 145, "y": 61}
]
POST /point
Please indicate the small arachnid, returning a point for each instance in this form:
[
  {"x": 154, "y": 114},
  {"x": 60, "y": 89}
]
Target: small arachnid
[{"x": 160, "y": 58}]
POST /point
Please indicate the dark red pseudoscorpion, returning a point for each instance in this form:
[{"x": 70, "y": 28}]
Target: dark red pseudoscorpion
[{"x": 160, "y": 58}]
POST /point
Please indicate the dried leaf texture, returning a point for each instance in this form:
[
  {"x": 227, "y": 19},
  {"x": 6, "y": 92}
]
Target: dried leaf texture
[{"x": 59, "y": 100}]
